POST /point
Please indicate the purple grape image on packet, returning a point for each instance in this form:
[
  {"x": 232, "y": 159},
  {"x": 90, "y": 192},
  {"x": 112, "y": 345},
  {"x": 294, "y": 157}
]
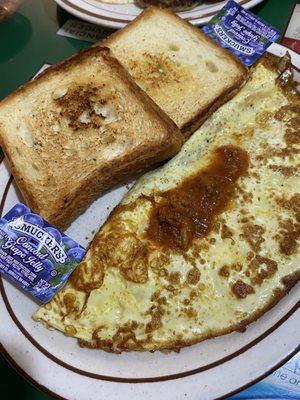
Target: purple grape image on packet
[{"x": 35, "y": 255}]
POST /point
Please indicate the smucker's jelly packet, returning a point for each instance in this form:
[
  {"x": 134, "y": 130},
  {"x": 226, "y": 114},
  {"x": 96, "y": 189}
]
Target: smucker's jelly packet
[
  {"x": 241, "y": 32},
  {"x": 35, "y": 255}
]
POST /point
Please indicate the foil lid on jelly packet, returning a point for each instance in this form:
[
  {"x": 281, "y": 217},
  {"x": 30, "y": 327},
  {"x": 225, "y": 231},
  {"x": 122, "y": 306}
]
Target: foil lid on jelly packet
[
  {"x": 33, "y": 254},
  {"x": 241, "y": 32}
]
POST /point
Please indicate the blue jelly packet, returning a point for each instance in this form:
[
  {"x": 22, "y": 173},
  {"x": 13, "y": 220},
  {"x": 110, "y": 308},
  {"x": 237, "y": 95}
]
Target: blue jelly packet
[
  {"x": 241, "y": 32},
  {"x": 35, "y": 255}
]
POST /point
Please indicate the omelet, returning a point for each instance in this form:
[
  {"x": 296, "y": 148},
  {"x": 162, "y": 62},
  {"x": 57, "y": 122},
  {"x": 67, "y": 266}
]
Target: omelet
[{"x": 203, "y": 245}]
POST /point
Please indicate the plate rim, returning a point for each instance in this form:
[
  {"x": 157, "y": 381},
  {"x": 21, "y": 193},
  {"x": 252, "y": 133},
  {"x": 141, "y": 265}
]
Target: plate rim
[
  {"x": 117, "y": 23},
  {"x": 27, "y": 377},
  {"x": 154, "y": 379},
  {"x": 56, "y": 396}
]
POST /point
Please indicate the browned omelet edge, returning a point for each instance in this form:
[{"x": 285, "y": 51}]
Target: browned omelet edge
[
  {"x": 273, "y": 63},
  {"x": 279, "y": 65}
]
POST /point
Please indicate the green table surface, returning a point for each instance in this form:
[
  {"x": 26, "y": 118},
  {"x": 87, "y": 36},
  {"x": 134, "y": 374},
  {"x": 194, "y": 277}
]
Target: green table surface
[{"x": 27, "y": 41}]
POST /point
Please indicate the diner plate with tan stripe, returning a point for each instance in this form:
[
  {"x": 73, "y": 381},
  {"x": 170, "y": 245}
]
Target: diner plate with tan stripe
[
  {"x": 118, "y": 15},
  {"x": 213, "y": 369}
]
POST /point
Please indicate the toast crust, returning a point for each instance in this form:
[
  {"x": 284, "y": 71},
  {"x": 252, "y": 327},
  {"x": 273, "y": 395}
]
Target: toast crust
[
  {"x": 72, "y": 203},
  {"x": 202, "y": 114}
]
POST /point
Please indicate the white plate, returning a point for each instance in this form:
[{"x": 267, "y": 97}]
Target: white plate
[
  {"x": 118, "y": 15},
  {"x": 213, "y": 369}
]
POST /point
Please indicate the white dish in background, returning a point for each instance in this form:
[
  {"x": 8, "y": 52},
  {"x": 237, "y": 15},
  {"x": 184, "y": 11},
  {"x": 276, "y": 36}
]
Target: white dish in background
[
  {"x": 118, "y": 15},
  {"x": 213, "y": 369}
]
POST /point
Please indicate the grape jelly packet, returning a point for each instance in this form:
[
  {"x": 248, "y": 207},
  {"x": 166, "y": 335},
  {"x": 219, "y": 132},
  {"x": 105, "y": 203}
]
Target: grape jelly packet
[
  {"x": 34, "y": 255},
  {"x": 240, "y": 31}
]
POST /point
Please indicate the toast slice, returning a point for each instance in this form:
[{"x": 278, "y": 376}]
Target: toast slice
[
  {"x": 77, "y": 129},
  {"x": 184, "y": 71}
]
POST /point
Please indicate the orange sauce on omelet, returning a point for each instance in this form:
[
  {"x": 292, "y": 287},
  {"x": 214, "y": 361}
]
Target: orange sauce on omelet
[{"x": 188, "y": 210}]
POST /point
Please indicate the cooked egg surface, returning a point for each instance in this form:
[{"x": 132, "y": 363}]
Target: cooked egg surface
[{"x": 203, "y": 245}]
